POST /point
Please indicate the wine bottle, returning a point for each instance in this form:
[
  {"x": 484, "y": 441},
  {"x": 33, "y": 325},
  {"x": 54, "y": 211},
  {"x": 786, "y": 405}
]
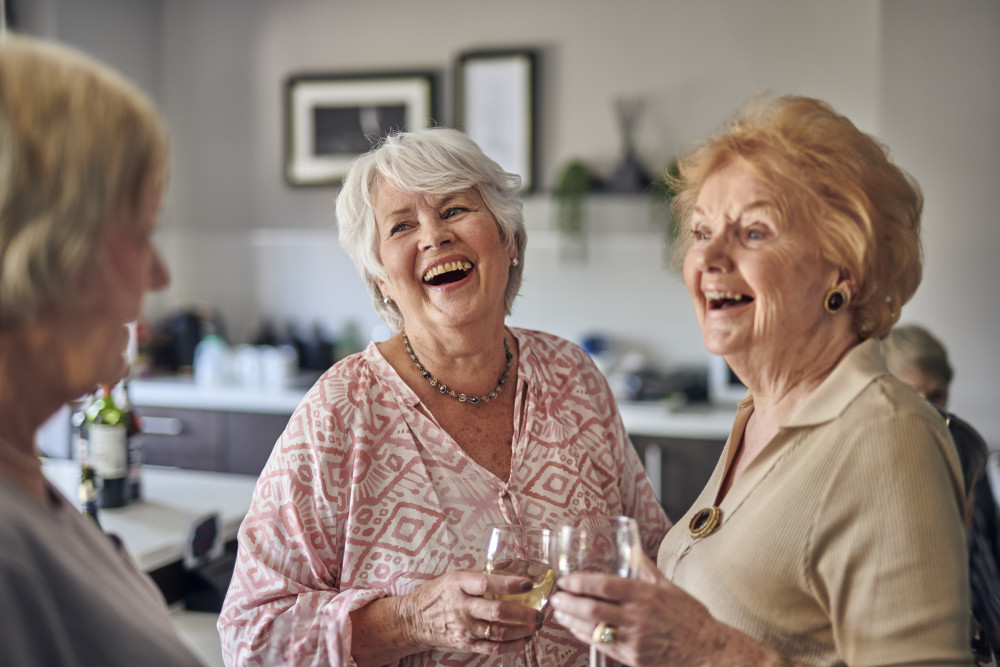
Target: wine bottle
[
  {"x": 133, "y": 433},
  {"x": 108, "y": 439}
]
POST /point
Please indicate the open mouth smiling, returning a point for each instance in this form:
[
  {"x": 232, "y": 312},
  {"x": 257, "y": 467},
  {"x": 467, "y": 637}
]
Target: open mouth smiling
[
  {"x": 718, "y": 300},
  {"x": 448, "y": 272}
]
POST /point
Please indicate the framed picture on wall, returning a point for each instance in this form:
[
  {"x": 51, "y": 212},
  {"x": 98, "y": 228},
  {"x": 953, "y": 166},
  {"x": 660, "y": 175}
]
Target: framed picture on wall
[
  {"x": 496, "y": 98},
  {"x": 332, "y": 118}
]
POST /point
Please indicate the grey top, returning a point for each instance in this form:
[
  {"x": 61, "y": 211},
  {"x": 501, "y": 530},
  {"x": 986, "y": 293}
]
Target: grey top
[{"x": 70, "y": 596}]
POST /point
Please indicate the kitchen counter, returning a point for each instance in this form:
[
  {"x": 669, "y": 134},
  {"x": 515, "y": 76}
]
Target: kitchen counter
[
  {"x": 155, "y": 530},
  {"x": 653, "y": 419},
  {"x": 661, "y": 420},
  {"x": 182, "y": 392}
]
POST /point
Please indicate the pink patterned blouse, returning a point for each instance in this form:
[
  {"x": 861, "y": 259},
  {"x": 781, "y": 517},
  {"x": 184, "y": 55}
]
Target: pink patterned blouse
[{"x": 365, "y": 496}]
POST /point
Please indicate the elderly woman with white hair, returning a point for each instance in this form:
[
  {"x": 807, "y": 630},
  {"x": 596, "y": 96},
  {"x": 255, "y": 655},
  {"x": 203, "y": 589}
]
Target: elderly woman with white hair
[{"x": 364, "y": 537}]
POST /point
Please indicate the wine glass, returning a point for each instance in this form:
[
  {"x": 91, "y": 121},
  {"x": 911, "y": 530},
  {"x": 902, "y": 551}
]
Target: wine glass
[
  {"x": 608, "y": 544},
  {"x": 524, "y": 551}
]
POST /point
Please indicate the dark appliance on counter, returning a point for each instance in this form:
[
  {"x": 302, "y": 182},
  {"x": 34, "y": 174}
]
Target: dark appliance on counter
[{"x": 175, "y": 337}]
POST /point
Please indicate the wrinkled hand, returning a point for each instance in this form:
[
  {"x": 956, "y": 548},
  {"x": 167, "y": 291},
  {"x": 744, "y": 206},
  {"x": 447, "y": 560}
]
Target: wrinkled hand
[
  {"x": 451, "y": 613},
  {"x": 656, "y": 622}
]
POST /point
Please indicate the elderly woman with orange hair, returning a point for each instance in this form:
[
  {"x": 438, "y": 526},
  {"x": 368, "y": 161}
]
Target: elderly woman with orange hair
[{"x": 830, "y": 532}]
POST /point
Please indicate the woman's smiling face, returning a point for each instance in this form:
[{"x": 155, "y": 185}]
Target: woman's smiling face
[
  {"x": 443, "y": 255},
  {"x": 757, "y": 282}
]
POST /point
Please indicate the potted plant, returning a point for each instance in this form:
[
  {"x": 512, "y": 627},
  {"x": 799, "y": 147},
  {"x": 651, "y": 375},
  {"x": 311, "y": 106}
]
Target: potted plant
[{"x": 570, "y": 192}]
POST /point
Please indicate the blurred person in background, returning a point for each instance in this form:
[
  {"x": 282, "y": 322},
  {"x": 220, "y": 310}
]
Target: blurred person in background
[
  {"x": 370, "y": 518},
  {"x": 918, "y": 358},
  {"x": 830, "y": 532},
  {"x": 83, "y": 165}
]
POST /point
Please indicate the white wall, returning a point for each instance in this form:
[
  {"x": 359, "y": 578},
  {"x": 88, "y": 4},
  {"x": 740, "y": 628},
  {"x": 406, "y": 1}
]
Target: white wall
[
  {"x": 919, "y": 73},
  {"x": 941, "y": 115}
]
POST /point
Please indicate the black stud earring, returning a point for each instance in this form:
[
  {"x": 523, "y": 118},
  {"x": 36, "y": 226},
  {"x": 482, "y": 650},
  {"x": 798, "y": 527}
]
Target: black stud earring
[{"x": 835, "y": 300}]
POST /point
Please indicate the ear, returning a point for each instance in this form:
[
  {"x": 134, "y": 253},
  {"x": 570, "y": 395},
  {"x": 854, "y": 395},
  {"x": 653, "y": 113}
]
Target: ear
[
  {"x": 383, "y": 287},
  {"x": 846, "y": 283}
]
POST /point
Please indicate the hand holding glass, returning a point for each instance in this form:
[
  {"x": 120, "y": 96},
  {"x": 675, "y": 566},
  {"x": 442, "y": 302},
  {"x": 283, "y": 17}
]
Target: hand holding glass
[
  {"x": 599, "y": 544},
  {"x": 525, "y": 552}
]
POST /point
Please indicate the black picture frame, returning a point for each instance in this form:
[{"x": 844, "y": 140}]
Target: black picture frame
[
  {"x": 496, "y": 104},
  {"x": 332, "y": 118}
]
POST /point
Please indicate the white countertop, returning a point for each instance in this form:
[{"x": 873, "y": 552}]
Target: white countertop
[
  {"x": 154, "y": 530},
  {"x": 661, "y": 420},
  {"x": 655, "y": 419},
  {"x": 182, "y": 392}
]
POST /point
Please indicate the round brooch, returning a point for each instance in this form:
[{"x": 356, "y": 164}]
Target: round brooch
[{"x": 705, "y": 521}]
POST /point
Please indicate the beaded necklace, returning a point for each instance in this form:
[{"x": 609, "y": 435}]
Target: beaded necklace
[{"x": 443, "y": 388}]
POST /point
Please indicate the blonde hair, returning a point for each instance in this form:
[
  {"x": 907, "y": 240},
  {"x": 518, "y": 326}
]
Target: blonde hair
[
  {"x": 862, "y": 210},
  {"x": 79, "y": 148},
  {"x": 434, "y": 161}
]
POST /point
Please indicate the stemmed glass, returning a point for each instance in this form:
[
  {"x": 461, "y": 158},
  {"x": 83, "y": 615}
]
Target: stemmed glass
[
  {"x": 527, "y": 552},
  {"x": 599, "y": 544}
]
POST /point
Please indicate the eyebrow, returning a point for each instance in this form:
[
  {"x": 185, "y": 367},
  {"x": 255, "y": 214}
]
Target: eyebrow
[
  {"x": 444, "y": 200},
  {"x": 752, "y": 206}
]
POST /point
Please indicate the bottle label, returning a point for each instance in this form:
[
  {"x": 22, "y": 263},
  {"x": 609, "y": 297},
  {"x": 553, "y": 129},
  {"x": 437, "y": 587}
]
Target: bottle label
[{"x": 109, "y": 450}]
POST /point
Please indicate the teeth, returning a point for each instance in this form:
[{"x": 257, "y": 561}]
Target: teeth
[
  {"x": 729, "y": 296},
  {"x": 446, "y": 267}
]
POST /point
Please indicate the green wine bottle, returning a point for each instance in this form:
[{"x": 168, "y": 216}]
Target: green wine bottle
[
  {"x": 133, "y": 431},
  {"x": 108, "y": 437}
]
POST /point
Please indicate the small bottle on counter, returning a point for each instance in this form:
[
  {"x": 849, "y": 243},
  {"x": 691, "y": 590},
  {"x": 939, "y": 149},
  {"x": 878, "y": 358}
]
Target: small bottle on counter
[
  {"x": 107, "y": 435},
  {"x": 88, "y": 492}
]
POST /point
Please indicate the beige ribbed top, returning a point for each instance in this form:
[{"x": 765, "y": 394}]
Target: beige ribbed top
[{"x": 842, "y": 543}]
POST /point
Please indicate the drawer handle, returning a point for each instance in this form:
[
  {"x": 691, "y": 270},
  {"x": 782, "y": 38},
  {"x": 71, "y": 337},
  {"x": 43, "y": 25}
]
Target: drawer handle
[{"x": 162, "y": 425}]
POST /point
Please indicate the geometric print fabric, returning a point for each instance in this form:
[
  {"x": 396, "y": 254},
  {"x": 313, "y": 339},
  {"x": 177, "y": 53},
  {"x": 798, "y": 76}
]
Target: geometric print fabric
[{"x": 365, "y": 496}]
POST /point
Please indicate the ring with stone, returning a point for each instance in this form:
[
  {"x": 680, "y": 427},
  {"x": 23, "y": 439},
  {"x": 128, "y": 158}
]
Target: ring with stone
[
  {"x": 604, "y": 633},
  {"x": 488, "y": 635}
]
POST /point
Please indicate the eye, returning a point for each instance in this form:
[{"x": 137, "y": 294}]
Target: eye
[
  {"x": 757, "y": 233},
  {"x": 398, "y": 227},
  {"x": 452, "y": 211},
  {"x": 700, "y": 234}
]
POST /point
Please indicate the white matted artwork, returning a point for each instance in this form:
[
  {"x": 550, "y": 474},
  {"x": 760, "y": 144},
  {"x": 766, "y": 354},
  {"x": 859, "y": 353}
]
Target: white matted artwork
[
  {"x": 496, "y": 100},
  {"x": 333, "y": 118}
]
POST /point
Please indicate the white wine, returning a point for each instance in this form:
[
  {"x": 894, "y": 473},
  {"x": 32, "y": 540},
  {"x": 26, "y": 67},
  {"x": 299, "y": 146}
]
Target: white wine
[{"x": 540, "y": 574}]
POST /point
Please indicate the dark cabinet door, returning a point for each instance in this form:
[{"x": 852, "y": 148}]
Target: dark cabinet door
[
  {"x": 238, "y": 442},
  {"x": 251, "y": 439},
  {"x": 683, "y": 466},
  {"x": 183, "y": 438}
]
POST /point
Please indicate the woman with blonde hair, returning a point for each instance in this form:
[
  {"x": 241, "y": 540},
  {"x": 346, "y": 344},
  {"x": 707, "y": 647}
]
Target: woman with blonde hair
[{"x": 83, "y": 165}]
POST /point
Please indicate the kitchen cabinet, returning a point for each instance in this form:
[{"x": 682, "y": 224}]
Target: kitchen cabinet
[
  {"x": 222, "y": 429},
  {"x": 679, "y": 447},
  {"x": 678, "y": 468},
  {"x": 221, "y": 441}
]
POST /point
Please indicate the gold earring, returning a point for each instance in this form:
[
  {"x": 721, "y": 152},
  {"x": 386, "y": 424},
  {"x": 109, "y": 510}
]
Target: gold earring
[{"x": 835, "y": 300}]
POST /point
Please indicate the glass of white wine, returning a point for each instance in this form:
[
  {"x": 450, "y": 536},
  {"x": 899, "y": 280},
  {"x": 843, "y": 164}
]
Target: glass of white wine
[
  {"x": 609, "y": 544},
  {"x": 524, "y": 551}
]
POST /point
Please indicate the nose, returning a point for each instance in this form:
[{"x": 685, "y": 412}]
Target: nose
[
  {"x": 435, "y": 233},
  {"x": 715, "y": 254}
]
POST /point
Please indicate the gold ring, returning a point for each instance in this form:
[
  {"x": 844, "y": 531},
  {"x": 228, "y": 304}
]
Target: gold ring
[
  {"x": 489, "y": 631},
  {"x": 604, "y": 633}
]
